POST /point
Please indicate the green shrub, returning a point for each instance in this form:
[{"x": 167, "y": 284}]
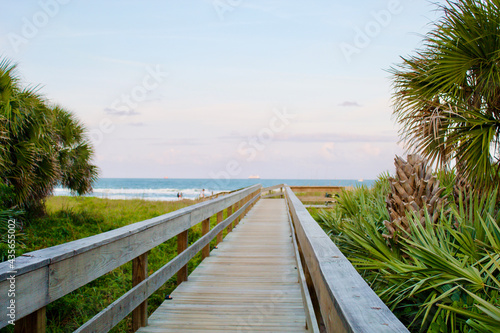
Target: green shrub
[{"x": 444, "y": 277}]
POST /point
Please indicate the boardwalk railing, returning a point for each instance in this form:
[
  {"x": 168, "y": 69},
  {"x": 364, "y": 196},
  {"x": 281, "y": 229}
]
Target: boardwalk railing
[
  {"x": 41, "y": 277},
  {"x": 342, "y": 298},
  {"x": 318, "y": 194}
]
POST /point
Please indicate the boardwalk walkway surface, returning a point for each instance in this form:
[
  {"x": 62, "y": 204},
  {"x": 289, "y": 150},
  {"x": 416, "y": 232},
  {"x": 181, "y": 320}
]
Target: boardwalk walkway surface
[{"x": 249, "y": 284}]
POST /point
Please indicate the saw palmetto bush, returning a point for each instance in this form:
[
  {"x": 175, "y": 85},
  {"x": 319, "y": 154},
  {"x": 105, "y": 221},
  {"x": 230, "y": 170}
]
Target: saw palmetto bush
[
  {"x": 444, "y": 276},
  {"x": 40, "y": 145},
  {"x": 447, "y": 95},
  {"x": 413, "y": 188}
]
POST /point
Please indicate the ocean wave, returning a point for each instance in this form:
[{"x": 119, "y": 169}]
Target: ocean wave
[{"x": 159, "y": 194}]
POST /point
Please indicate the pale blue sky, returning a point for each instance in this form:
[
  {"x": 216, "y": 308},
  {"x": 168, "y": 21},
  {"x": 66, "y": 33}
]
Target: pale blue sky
[{"x": 231, "y": 65}]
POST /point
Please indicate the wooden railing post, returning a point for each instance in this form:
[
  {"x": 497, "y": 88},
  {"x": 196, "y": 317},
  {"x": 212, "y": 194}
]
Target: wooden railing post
[
  {"x": 219, "y": 220},
  {"x": 229, "y": 213},
  {"x": 205, "y": 228},
  {"x": 35, "y": 322},
  {"x": 236, "y": 207},
  {"x": 139, "y": 274},
  {"x": 182, "y": 245},
  {"x": 247, "y": 199}
]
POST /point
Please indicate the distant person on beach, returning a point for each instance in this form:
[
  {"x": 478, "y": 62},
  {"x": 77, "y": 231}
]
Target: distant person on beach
[
  {"x": 178, "y": 195},
  {"x": 202, "y": 195}
]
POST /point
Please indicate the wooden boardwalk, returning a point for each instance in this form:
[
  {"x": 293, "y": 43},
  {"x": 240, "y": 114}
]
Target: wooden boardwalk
[
  {"x": 249, "y": 284},
  {"x": 252, "y": 283}
]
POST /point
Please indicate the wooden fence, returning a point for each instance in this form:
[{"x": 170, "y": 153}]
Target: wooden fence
[
  {"x": 43, "y": 276},
  {"x": 341, "y": 296}
]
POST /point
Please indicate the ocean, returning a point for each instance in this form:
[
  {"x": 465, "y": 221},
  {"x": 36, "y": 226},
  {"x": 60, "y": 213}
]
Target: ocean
[{"x": 167, "y": 189}]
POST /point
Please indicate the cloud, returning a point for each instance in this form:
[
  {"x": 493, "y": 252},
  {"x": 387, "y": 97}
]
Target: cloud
[
  {"x": 115, "y": 112},
  {"x": 328, "y": 151},
  {"x": 179, "y": 142},
  {"x": 371, "y": 150},
  {"x": 137, "y": 124},
  {"x": 336, "y": 137},
  {"x": 122, "y": 61},
  {"x": 350, "y": 104}
]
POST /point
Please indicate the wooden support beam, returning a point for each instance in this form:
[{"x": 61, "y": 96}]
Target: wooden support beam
[
  {"x": 236, "y": 207},
  {"x": 35, "y": 322},
  {"x": 219, "y": 220},
  {"x": 229, "y": 213},
  {"x": 182, "y": 244},
  {"x": 205, "y": 228},
  {"x": 139, "y": 273},
  {"x": 247, "y": 199}
]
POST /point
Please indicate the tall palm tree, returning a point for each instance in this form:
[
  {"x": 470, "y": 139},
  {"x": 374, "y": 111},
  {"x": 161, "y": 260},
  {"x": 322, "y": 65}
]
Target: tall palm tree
[
  {"x": 41, "y": 145},
  {"x": 447, "y": 95}
]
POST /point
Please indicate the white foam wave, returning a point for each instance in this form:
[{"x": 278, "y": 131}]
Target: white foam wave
[{"x": 160, "y": 194}]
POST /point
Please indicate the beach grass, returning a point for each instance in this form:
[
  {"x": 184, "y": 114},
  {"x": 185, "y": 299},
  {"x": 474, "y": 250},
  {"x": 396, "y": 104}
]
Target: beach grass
[{"x": 71, "y": 218}]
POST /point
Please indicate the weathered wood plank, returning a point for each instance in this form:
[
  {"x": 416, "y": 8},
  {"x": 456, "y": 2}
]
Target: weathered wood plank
[
  {"x": 35, "y": 322},
  {"x": 326, "y": 189},
  {"x": 315, "y": 199},
  {"x": 270, "y": 188},
  {"x": 139, "y": 274},
  {"x": 311, "y": 320},
  {"x": 205, "y": 228},
  {"x": 35, "y": 285},
  {"x": 182, "y": 245},
  {"x": 346, "y": 301},
  {"x": 219, "y": 220},
  {"x": 229, "y": 212}
]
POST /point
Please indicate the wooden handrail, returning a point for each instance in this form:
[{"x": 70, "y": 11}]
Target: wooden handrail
[
  {"x": 305, "y": 189},
  {"x": 274, "y": 187},
  {"x": 346, "y": 301},
  {"x": 43, "y": 276}
]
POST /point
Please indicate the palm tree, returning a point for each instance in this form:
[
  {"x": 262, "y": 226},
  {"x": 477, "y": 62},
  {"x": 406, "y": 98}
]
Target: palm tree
[
  {"x": 41, "y": 145},
  {"x": 74, "y": 153},
  {"x": 447, "y": 95}
]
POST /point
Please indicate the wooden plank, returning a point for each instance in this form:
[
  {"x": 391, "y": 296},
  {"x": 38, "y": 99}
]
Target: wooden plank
[
  {"x": 45, "y": 275},
  {"x": 182, "y": 245},
  {"x": 325, "y": 189},
  {"x": 273, "y": 195},
  {"x": 35, "y": 285},
  {"x": 229, "y": 212},
  {"x": 271, "y": 188},
  {"x": 35, "y": 322},
  {"x": 139, "y": 274},
  {"x": 219, "y": 220},
  {"x": 237, "y": 206},
  {"x": 119, "y": 309},
  {"x": 249, "y": 284},
  {"x": 315, "y": 199},
  {"x": 346, "y": 301},
  {"x": 311, "y": 320},
  {"x": 205, "y": 228}
]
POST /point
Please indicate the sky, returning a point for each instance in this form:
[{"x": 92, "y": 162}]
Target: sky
[{"x": 282, "y": 89}]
